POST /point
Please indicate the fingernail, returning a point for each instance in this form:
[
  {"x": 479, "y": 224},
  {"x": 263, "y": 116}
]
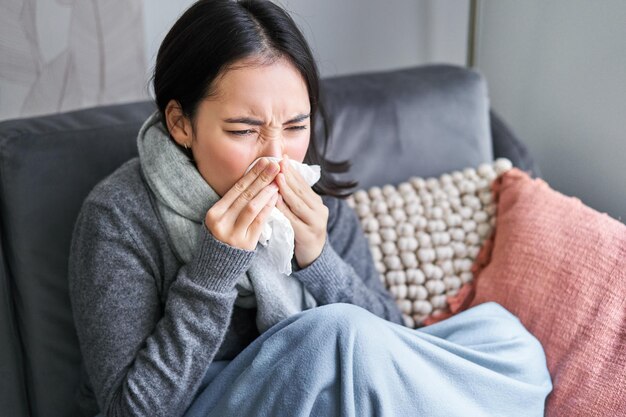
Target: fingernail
[
  {"x": 262, "y": 163},
  {"x": 272, "y": 168}
]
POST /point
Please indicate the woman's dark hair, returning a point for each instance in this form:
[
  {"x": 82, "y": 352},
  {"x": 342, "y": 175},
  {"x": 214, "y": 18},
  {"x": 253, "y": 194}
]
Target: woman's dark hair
[{"x": 212, "y": 35}]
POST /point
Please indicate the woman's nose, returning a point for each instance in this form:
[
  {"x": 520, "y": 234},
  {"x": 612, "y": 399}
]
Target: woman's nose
[{"x": 274, "y": 146}]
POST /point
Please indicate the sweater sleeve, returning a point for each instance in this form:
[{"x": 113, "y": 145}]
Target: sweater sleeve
[
  {"x": 143, "y": 357},
  {"x": 345, "y": 271}
]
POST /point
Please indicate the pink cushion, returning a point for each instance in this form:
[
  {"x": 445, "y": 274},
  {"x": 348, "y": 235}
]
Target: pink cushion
[{"x": 559, "y": 266}]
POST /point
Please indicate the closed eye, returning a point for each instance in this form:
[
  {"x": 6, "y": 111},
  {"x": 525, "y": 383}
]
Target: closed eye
[
  {"x": 251, "y": 131},
  {"x": 241, "y": 132}
]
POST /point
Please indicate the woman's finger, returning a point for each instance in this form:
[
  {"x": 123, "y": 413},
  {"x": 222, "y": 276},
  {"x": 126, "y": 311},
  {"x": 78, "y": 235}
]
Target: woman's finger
[
  {"x": 293, "y": 219},
  {"x": 264, "y": 179},
  {"x": 249, "y": 213},
  {"x": 301, "y": 188},
  {"x": 243, "y": 184},
  {"x": 256, "y": 227},
  {"x": 293, "y": 200}
]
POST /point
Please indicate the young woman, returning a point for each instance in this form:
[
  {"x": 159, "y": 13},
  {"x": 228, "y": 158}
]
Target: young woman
[{"x": 169, "y": 284}]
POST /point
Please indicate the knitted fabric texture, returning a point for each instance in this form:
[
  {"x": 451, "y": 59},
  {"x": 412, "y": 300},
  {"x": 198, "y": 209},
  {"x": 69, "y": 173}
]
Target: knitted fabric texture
[
  {"x": 183, "y": 198},
  {"x": 425, "y": 234}
]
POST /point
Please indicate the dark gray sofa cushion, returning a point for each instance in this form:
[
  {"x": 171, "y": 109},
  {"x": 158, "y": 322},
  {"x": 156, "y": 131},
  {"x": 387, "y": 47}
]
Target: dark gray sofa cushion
[
  {"x": 47, "y": 166},
  {"x": 13, "y": 393},
  {"x": 418, "y": 121}
]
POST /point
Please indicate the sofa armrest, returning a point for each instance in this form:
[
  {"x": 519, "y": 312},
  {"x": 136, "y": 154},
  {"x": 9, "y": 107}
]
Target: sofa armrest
[{"x": 507, "y": 145}]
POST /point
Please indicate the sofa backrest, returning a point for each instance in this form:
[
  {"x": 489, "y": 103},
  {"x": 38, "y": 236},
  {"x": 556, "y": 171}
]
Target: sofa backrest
[
  {"x": 426, "y": 120},
  {"x": 418, "y": 121}
]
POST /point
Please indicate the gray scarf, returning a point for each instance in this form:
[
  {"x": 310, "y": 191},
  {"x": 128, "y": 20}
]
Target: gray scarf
[{"x": 183, "y": 198}]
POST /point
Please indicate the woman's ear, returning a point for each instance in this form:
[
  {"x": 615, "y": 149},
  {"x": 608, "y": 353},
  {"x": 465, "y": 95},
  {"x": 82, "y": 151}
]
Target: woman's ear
[{"x": 178, "y": 124}]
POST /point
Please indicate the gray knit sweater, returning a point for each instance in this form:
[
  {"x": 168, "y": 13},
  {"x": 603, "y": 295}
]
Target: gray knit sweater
[{"x": 149, "y": 326}]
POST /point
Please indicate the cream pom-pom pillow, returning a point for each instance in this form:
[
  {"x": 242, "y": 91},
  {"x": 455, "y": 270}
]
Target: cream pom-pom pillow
[{"x": 425, "y": 234}]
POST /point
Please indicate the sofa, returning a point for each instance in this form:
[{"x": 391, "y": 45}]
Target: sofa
[{"x": 423, "y": 121}]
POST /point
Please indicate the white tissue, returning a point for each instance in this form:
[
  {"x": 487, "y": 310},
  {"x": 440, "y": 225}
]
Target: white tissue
[{"x": 278, "y": 235}]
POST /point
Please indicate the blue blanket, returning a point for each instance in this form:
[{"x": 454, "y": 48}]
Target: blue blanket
[{"x": 342, "y": 360}]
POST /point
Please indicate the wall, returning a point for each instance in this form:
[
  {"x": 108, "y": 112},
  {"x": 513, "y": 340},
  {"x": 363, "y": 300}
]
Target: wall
[
  {"x": 557, "y": 74},
  {"x": 351, "y": 36},
  {"x": 63, "y": 55},
  {"x": 58, "y": 55}
]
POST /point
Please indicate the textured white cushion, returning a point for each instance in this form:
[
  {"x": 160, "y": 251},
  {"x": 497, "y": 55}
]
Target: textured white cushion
[{"x": 425, "y": 234}]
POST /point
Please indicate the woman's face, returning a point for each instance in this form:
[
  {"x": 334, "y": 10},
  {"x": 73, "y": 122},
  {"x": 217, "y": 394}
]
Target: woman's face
[{"x": 257, "y": 110}]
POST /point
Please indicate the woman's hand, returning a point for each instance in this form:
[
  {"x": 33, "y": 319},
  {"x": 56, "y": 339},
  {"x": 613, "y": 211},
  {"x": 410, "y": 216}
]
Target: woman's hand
[
  {"x": 306, "y": 212},
  {"x": 238, "y": 217}
]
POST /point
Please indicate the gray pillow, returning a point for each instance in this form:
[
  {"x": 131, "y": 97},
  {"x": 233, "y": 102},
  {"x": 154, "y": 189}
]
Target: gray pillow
[{"x": 420, "y": 121}]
